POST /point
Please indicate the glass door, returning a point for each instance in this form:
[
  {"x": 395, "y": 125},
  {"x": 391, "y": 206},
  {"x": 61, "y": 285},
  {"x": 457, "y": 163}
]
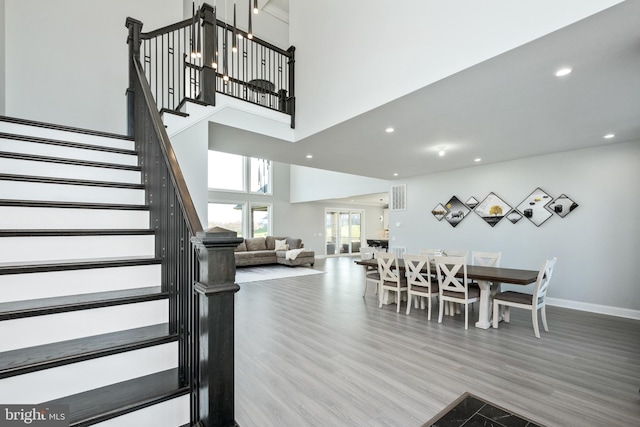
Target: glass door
[{"x": 343, "y": 231}]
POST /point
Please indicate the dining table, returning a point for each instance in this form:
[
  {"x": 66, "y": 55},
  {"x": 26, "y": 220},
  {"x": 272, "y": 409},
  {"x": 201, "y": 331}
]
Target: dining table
[{"x": 486, "y": 277}]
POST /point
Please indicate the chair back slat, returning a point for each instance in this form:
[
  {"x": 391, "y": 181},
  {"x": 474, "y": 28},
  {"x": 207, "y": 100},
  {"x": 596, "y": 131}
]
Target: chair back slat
[
  {"x": 414, "y": 265},
  {"x": 542, "y": 282},
  {"x": 431, "y": 253},
  {"x": 387, "y": 266},
  {"x": 457, "y": 253},
  {"x": 447, "y": 268},
  {"x": 487, "y": 259}
]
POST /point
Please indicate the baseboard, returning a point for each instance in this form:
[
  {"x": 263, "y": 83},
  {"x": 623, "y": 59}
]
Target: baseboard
[{"x": 595, "y": 308}]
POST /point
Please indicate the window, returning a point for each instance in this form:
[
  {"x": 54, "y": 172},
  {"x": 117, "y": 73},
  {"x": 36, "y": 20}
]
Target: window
[
  {"x": 231, "y": 172},
  {"x": 227, "y": 215},
  {"x": 260, "y": 220}
]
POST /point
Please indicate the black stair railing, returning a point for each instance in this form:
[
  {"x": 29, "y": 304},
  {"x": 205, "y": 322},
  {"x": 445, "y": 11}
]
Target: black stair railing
[
  {"x": 200, "y": 312},
  {"x": 194, "y": 60}
]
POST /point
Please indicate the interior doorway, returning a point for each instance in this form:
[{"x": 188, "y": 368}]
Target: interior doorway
[{"x": 343, "y": 231}]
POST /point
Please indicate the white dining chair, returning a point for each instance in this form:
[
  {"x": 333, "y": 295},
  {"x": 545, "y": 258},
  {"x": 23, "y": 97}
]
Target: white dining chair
[
  {"x": 419, "y": 283},
  {"x": 390, "y": 277},
  {"x": 452, "y": 288},
  {"x": 371, "y": 273},
  {"x": 534, "y": 302}
]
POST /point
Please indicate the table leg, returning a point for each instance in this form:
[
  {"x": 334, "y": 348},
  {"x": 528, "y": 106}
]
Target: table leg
[{"x": 484, "y": 321}]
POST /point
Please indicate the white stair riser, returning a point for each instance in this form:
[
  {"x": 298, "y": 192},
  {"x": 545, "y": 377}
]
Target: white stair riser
[
  {"x": 20, "y": 218},
  {"x": 49, "y": 150},
  {"x": 46, "y": 329},
  {"x": 58, "y": 170},
  {"x": 58, "y": 248},
  {"x": 172, "y": 413},
  {"x": 17, "y": 190},
  {"x": 60, "y": 135},
  {"x": 22, "y": 287},
  {"x": 75, "y": 378}
]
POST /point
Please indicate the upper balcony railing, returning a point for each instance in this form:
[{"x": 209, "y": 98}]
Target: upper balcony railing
[{"x": 197, "y": 58}]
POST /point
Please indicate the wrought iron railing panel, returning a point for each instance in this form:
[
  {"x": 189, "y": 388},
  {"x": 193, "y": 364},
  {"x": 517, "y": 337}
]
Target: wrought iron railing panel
[{"x": 178, "y": 59}]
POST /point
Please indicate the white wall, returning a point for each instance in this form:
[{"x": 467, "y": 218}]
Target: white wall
[
  {"x": 2, "y": 58},
  {"x": 309, "y": 184},
  {"x": 597, "y": 245},
  {"x": 66, "y": 60},
  {"x": 407, "y": 45}
]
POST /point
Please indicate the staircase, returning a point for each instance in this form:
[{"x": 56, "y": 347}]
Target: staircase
[{"x": 83, "y": 318}]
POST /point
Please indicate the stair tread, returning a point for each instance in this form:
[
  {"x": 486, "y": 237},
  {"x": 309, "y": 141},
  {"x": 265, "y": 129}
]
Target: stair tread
[
  {"x": 42, "y": 306},
  {"x": 107, "y": 402},
  {"x": 52, "y": 265},
  {"x": 75, "y": 232},
  {"x": 36, "y": 123},
  {"x": 76, "y": 162},
  {"x": 70, "y": 205},
  {"x": 25, "y": 360},
  {"x": 69, "y": 181}
]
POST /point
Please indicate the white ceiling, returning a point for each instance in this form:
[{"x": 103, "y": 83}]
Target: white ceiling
[{"x": 508, "y": 107}]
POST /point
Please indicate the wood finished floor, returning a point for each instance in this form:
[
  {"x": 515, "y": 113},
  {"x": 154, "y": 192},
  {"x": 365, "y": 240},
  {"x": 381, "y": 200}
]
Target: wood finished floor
[{"x": 310, "y": 351}]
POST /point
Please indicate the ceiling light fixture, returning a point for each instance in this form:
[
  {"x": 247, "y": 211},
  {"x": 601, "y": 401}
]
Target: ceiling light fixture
[
  {"x": 395, "y": 174},
  {"x": 250, "y": 29},
  {"x": 441, "y": 150},
  {"x": 389, "y": 130},
  {"x": 477, "y": 160},
  {"x": 255, "y": 6},
  {"x": 609, "y": 136},
  {"x": 563, "y": 72},
  {"x": 309, "y": 156}
]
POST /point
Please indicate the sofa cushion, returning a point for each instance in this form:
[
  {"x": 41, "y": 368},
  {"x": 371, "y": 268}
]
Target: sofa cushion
[
  {"x": 256, "y": 244},
  {"x": 294, "y": 243},
  {"x": 271, "y": 242},
  {"x": 242, "y": 247},
  {"x": 281, "y": 245},
  {"x": 256, "y": 254}
]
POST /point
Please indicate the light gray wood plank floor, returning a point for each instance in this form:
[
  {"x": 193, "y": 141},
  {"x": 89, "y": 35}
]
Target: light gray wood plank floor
[{"x": 311, "y": 351}]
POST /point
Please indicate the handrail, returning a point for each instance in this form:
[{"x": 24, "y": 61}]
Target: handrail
[
  {"x": 177, "y": 178},
  {"x": 193, "y": 60}
]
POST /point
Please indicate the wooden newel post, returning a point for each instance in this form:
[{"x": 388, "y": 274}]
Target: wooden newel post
[
  {"x": 133, "y": 40},
  {"x": 209, "y": 42},
  {"x": 216, "y": 291}
]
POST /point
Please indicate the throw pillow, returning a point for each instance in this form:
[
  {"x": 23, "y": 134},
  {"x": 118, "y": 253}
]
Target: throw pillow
[{"x": 281, "y": 245}]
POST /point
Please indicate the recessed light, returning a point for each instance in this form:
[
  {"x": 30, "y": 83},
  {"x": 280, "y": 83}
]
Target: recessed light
[
  {"x": 389, "y": 130},
  {"x": 477, "y": 160},
  {"x": 563, "y": 72},
  {"x": 395, "y": 174},
  {"x": 609, "y": 136},
  {"x": 441, "y": 150},
  {"x": 309, "y": 156}
]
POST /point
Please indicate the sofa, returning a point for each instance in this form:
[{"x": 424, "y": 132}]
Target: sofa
[{"x": 273, "y": 250}]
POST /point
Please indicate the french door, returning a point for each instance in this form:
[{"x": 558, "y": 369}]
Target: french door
[{"x": 343, "y": 231}]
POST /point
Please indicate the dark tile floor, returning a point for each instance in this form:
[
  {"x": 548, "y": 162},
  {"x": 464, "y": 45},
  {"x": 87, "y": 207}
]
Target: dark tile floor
[{"x": 471, "y": 411}]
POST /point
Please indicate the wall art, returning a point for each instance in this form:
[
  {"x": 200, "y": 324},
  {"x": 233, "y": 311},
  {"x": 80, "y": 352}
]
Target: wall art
[
  {"x": 457, "y": 211},
  {"x": 534, "y": 207},
  {"x": 514, "y": 216},
  {"x": 439, "y": 211},
  {"x": 492, "y": 209},
  {"x": 562, "y": 206},
  {"x": 472, "y": 203}
]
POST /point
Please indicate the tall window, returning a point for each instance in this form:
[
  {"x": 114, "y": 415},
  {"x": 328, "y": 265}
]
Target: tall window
[
  {"x": 343, "y": 231},
  {"x": 227, "y": 215},
  {"x": 260, "y": 220},
  {"x": 231, "y": 172}
]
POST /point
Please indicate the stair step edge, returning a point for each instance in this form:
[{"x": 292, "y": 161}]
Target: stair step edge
[
  {"x": 77, "y": 265},
  {"x": 70, "y": 205},
  {"x": 69, "y": 181},
  {"x": 76, "y": 232},
  {"x": 33, "y": 359},
  {"x": 64, "y": 304},
  {"x": 35, "y": 123},
  {"x": 112, "y": 401},
  {"x": 65, "y": 161},
  {"x": 68, "y": 144}
]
